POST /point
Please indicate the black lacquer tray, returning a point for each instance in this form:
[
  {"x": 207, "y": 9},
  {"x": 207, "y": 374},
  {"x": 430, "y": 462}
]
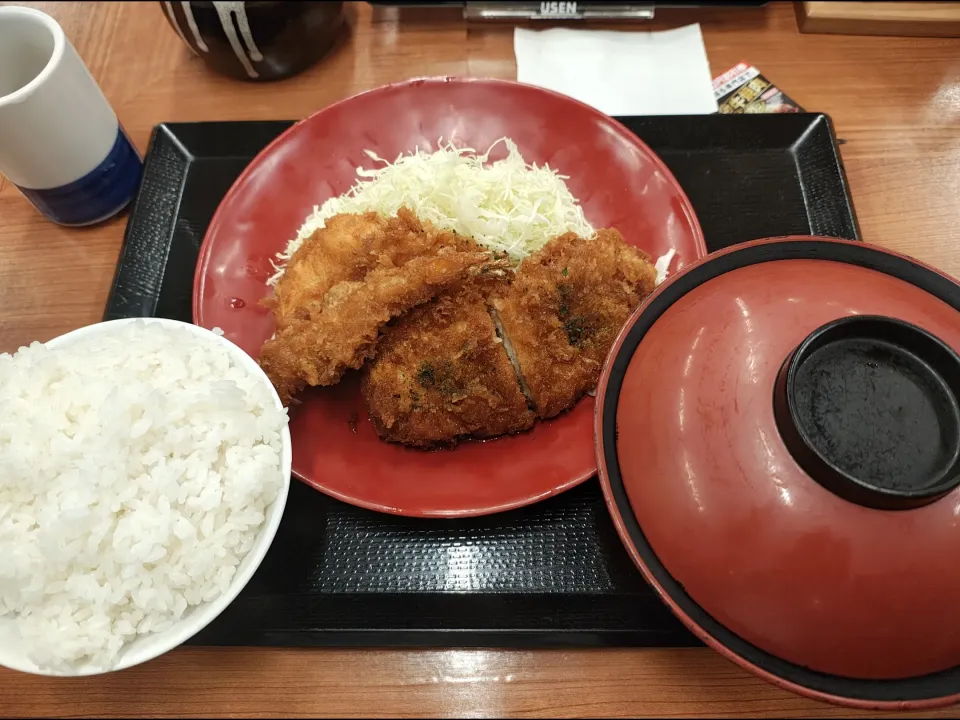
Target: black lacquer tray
[{"x": 554, "y": 573}]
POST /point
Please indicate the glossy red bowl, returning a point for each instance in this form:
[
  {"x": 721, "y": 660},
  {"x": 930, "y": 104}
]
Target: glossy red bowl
[{"x": 778, "y": 437}]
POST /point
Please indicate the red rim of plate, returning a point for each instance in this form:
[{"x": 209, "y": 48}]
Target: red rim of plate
[{"x": 200, "y": 273}]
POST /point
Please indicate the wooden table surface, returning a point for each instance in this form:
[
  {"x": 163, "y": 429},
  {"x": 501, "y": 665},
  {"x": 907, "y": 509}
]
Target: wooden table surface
[{"x": 896, "y": 103}]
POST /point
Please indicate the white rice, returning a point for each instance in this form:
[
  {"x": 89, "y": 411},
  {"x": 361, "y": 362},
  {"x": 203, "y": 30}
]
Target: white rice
[{"x": 136, "y": 469}]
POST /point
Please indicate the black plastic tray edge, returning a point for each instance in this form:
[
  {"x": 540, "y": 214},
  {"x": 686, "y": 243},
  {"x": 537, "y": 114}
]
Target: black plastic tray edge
[
  {"x": 133, "y": 243},
  {"x": 412, "y": 631},
  {"x": 838, "y": 160}
]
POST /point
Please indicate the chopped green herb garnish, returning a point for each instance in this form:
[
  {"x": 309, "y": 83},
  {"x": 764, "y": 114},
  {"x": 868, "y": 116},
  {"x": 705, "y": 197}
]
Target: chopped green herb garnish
[
  {"x": 578, "y": 330},
  {"x": 426, "y": 375}
]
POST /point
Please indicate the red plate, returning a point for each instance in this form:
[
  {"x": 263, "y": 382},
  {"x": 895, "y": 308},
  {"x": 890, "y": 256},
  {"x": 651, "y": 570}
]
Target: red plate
[{"x": 619, "y": 181}]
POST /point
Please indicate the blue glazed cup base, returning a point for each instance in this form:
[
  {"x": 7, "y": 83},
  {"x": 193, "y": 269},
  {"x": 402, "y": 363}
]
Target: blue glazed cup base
[
  {"x": 97, "y": 196},
  {"x": 89, "y": 223}
]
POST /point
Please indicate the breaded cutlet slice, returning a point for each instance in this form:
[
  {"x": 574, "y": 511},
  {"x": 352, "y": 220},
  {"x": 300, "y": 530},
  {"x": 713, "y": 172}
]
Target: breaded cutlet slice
[
  {"x": 340, "y": 332},
  {"x": 441, "y": 374},
  {"x": 347, "y": 248},
  {"x": 564, "y": 309}
]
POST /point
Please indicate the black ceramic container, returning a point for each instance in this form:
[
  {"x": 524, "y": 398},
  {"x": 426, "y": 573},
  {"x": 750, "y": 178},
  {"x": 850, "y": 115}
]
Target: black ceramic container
[{"x": 257, "y": 41}]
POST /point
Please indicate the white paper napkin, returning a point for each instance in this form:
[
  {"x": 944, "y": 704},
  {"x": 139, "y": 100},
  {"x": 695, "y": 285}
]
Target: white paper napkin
[{"x": 620, "y": 72}]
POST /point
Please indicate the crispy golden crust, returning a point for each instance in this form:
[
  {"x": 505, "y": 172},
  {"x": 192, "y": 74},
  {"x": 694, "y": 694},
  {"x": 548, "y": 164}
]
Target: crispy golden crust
[
  {"x": 564, "y": 309},
  {"x": 340, "y": 331},
  {"x": 346, "y": 249},
  {"x": 441, "y": 374}
]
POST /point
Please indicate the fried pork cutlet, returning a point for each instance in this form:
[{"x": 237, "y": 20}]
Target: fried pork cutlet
[
  {"x": 340, "y": 331},
  {"x": 441, "y": 373},
  {"x": 564, "y": 309},
  {"x": 346, "y": 249}
]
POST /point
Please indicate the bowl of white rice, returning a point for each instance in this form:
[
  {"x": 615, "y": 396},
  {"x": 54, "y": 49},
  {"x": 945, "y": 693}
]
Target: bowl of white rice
[{"x": 144, "y": 469}]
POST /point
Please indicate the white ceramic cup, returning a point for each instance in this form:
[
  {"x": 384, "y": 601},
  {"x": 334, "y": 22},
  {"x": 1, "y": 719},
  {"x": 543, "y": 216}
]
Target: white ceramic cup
[{"x": 60, "y": 141}]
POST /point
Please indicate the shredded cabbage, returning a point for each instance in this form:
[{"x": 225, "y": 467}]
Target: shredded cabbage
[
  {"x": 508, "y": 206},
  {"x": 663, "y": 264}
]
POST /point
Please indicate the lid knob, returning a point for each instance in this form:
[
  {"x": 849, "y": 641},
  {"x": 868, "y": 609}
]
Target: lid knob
[{"x": 868, "y": 407}]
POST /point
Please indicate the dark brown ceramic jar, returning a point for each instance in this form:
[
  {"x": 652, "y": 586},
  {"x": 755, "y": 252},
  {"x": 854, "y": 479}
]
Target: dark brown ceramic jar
[{"x": 257, "y": 40}]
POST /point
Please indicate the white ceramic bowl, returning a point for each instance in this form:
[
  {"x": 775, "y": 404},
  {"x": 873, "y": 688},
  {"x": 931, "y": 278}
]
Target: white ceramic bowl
[{"x": 12, "y": 651}]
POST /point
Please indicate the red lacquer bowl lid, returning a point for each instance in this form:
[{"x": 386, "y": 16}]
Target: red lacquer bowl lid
[{"x": 779, "y": 444}]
